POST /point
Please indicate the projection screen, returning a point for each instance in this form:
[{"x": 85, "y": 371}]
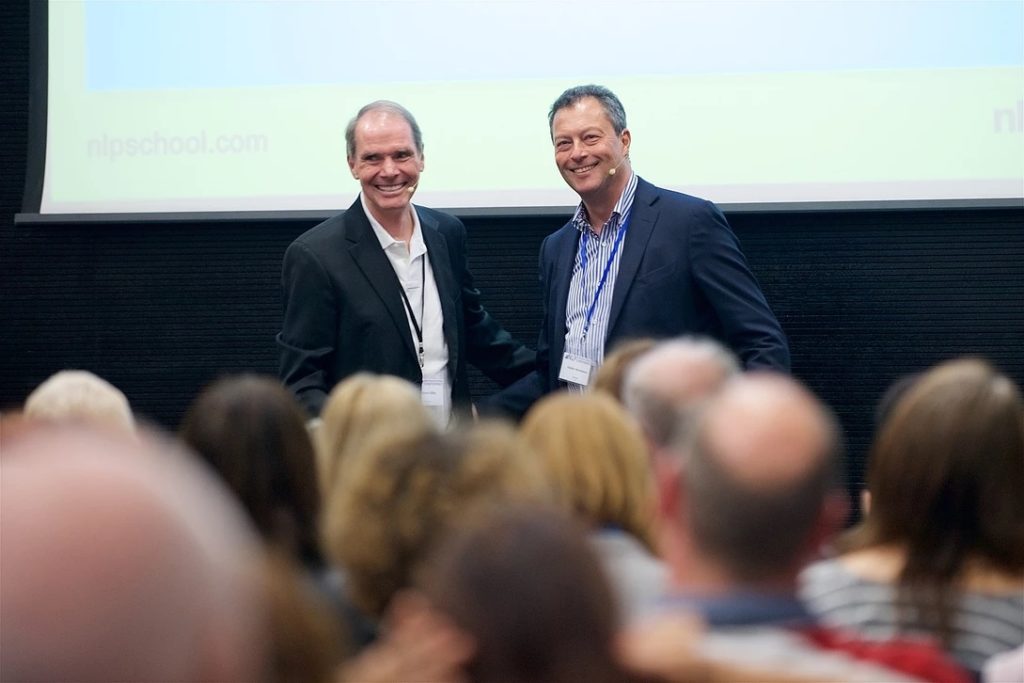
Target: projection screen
[{"x": 236, "y": 106}]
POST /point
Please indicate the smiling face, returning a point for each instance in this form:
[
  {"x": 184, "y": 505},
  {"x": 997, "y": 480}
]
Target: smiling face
[
  {"x": 386, "y": 163},
  {"x": 587, "y": 148}
]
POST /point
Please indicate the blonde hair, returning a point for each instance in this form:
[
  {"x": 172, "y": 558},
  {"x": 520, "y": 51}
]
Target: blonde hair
[
  {"x": 411, "y": 488},
  {"x": 82, "y": 397},
  {"x": 356, "y": 410},
  {"x": 595, "y": 458}
]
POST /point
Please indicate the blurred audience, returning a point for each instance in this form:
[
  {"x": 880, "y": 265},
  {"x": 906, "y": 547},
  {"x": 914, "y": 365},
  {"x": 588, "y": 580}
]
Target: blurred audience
[
  {"x": 755, "y": 494},
  {"x": 594, "y": 457},
  {"x": 251, "y": 431},
  {"x": 406, "y": 491},
  {"x": 658, "y": 528},
  {"x": 941, "y": 550},
  {"x": 309, "y": 644},
  {"x": 666, "y": 385},
  {"x": 79, "y": 396},
  {"x": 529, "y": 592},
  {"x": 356, "y": 409},
  {"x": 122, "y": 560},
  {"x": 612, "y": 372}
]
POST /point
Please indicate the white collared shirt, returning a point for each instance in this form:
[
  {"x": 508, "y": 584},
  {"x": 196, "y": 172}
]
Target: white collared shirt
[{"x": 416, "y": 276}]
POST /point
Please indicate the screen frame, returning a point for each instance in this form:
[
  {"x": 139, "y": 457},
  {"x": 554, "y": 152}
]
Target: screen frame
[{"x": 36, "y": 159}]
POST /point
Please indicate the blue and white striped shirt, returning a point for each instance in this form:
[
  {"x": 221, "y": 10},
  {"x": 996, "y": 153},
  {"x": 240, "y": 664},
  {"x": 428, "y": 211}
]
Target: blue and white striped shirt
[{"x": 594, "y": 252}]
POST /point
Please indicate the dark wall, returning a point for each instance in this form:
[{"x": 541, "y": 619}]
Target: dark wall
[{"x": 160, "y": 310}]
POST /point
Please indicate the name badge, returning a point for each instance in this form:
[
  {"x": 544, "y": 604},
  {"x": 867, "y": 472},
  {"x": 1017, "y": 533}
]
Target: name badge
[
  {"x": 432, "y": 392},
  {"x": 575, "y": 370}
]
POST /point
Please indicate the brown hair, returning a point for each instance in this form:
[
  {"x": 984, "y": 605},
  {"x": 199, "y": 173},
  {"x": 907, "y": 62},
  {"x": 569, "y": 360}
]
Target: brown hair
[
  {"x": 946, "y": 474},
  {"x": 595, "y": 457},
  {"x": 252, "y": 432},
  {"x": 407, "y": 490},
  {"x": 529, "y": 590}
]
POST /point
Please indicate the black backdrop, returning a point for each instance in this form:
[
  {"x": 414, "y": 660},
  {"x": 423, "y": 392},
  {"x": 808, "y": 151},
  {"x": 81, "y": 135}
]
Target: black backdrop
[{"x": 162, "y": 309}]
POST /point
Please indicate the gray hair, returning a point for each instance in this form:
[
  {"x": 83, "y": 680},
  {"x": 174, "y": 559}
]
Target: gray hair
[
  {"x": 611, "y": 104},
  {"x": 390, "y": 107},
  {"x": 664, "y": 407}
]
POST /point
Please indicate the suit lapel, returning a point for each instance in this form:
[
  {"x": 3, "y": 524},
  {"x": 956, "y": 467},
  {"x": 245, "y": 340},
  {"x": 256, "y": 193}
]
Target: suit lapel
[
  {"x": 440, "y": 263},
  {"x": 565, "y": 249},
  {"x": 641, "y": 224},
  {"x": 373, "y": 262}
]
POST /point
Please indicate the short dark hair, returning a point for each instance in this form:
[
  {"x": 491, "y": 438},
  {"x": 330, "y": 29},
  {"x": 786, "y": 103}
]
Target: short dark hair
[
  {"x": 612, "y": 106},
  {"x": 388, "y": 106}
]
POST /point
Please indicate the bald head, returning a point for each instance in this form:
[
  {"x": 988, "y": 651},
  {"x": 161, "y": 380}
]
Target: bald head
[
  {"x": 122, "y": 560},
  {"x": 759, "y": 464},
  {"x": 767, "y": 432},
  {"x": 665, "y": 385}
]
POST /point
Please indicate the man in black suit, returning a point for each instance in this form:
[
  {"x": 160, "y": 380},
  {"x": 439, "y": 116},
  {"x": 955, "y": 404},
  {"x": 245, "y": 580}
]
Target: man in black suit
[
  {"x": 635, "y": 261},
  {"x": 385, "y": 288}
]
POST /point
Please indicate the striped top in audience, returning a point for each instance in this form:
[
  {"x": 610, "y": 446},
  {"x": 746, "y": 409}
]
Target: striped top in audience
[{"x": 983, "y": 624}]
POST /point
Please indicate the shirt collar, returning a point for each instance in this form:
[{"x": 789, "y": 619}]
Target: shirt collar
[
  {"x": 416, "y": 245},
  {"x": 622, "y": 207},
  {"x": 744, "y": 608}
]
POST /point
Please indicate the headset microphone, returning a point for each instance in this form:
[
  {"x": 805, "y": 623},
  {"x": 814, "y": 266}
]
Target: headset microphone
[
  {"x": 411, "y": 189},
  {"x": 613, "y": 169}
]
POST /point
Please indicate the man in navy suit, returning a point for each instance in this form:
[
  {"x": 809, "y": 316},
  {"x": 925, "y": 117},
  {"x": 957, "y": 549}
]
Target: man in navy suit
[
  {"x": 385, "y": 288},
  {"x": 635, "y": 261}
]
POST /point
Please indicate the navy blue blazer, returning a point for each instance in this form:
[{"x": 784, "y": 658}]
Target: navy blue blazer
[
  {"x": 343, "y": 311},
  {"x": 681, "y": 272}
]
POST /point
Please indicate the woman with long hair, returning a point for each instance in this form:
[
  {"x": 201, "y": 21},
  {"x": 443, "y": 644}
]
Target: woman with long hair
[{"x": 941, "y": 549}]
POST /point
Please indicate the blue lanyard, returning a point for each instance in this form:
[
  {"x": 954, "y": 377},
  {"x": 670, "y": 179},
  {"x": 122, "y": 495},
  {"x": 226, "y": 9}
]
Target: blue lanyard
[{"x": 607, "y": 267}]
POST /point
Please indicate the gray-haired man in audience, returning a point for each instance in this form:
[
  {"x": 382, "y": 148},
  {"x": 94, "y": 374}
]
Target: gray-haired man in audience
[{"x": 666, "y": 385}]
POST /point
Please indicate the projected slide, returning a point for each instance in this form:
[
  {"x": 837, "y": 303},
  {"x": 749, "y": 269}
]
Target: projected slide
[{"x": 241, "y": 105}]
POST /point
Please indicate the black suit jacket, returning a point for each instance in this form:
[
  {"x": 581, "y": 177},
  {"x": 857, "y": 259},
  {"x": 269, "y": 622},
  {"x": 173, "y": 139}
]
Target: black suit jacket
[
  {"x": 681, "y": 272},
  {"x": 343, "y": 311}
]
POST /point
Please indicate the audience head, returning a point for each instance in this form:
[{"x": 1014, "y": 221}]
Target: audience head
[
  {"x": 252, "y": 432},
  {"x": 528, "y": 589},
  {"x": 123, "y": 560},
  {"x": 594, "y": 457},
  {"x": 612, "y": 373},
  {"x": 665, "y": 386},
  {"x": 946, "y": 472},
  {"x": 355, "y": 411},
  {"x": 80, "y": 396},
  {"x": 308, "y": 644},
  {"x": 759, "y": 482},
  {"x": 407, "y": 490}
]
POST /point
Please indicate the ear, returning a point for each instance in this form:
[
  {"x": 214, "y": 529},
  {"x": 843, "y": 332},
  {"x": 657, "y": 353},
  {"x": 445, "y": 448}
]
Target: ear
[
  {"x": 668, "y": 477},
  {"x": 352, "y": 167},
  {"x": 626, "y": 137},
  {"x": 865, "y": 502}
]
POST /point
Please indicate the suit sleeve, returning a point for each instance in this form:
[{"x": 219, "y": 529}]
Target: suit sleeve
[
  {"x": 723, "y": 277},
  {"x": 489, "y": 346},
  {"x": 307, "y": 339}
]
